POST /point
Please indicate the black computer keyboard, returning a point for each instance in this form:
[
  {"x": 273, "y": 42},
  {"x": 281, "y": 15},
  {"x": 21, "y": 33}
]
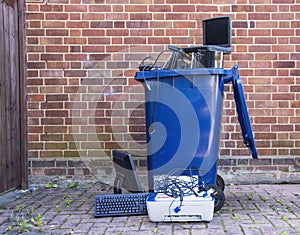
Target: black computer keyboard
[{"x": 120, "y": 204}]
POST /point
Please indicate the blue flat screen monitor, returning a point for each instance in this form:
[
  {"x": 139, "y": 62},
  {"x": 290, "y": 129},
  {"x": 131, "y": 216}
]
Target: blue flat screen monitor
[
  {"x": 126, "y": 176},
  {"x": 217, "y": 31}
]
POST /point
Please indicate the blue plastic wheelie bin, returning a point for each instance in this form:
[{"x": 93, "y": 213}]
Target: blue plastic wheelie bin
[{"x": 183, "y": 117}]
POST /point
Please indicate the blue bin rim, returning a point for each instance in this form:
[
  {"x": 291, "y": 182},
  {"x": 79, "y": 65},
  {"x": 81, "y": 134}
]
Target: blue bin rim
[{"x": 163, "y": 73}]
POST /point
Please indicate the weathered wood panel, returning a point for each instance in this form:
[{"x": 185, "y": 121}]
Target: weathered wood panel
[
  {"x": 2, "y": 100},
  {"x": 23, "y": 92},
  {"x": 10, "y": 142}
]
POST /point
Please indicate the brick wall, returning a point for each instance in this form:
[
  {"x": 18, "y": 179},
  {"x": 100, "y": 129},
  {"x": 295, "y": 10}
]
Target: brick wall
[{"x": 83, "y": 101}]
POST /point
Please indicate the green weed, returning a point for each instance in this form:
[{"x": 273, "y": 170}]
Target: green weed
[
  {"x": 67, "y": 203},
  {"x": 19, "y": 207},
  {"x": 23, "y": 226},
  {"x": 73, "y": 185},
  {"x": 285, "y": 218},
  {"x": 279, "y": 201},
  {"x": 66, "y": 196},
  {"x": 265, "y": 198}
]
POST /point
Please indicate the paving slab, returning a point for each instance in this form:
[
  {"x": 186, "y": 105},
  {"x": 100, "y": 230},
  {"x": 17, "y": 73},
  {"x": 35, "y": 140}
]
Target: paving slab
[{"x": 248, "y": 210}]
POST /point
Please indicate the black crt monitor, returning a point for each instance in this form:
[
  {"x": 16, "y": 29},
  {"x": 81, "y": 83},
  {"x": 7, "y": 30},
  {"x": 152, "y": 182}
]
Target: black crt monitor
[
  {"x": 217, "y": 31},
  {"x": 126, "y": 176}
]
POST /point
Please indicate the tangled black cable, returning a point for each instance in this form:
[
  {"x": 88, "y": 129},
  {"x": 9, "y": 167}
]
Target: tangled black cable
[{"x": 175, "y": 185}]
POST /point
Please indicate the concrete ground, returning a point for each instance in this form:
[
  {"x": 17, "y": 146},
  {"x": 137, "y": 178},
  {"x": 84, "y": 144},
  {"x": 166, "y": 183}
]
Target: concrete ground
[{"x": 249, "y": 209}]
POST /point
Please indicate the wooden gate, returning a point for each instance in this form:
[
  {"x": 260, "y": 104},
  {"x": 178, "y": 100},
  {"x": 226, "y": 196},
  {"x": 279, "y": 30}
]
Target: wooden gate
[{"x": 13, "y": 172}]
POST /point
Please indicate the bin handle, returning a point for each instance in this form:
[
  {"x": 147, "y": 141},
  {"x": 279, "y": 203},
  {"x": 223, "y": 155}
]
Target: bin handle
[{"x": 241, "y": 108}]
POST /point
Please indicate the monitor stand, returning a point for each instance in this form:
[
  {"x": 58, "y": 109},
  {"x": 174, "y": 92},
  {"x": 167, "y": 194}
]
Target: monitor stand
[{"x": 118, "y": 183}]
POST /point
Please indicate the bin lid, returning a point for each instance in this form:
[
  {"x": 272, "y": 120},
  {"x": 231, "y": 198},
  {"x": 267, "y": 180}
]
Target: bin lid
[
  {"x": 163, "y": 73},
  {"x": 243, "y": 115},
  {"x": 225, "y": 50}
]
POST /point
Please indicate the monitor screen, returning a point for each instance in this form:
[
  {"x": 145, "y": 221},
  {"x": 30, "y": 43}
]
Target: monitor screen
[
  {"x": 217, "y": 31},
  {"x": 126, "y": 176}
]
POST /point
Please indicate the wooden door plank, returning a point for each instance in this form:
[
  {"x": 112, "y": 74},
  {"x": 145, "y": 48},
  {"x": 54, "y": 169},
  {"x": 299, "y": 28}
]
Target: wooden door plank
[
  {"x": 14, "y": 105},
  {"x": 20, "y": 11},
  {"x": 13, "y": 64},
  {"x": 2, "y": 98},
  {"x": 6, "y": 96}
]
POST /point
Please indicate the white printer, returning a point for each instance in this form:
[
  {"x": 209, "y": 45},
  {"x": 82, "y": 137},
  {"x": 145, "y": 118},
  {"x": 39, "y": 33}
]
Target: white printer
[{"x": 164, "y": 208}]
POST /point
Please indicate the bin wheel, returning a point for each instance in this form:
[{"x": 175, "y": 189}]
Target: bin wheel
[
  {"x": 220, "y": 182},
  {"x": 218, "y": 195}
]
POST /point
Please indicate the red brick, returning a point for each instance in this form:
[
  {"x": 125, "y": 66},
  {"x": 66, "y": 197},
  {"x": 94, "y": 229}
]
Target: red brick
[
  {"x": 117, "y": 16},
  {"x": 56, "y": 16},
  {"x": 265, "y": 120},
  {"x": 55, "y": 81},
  {"x": 242, "y": 56},
  {"x": 102, "y": 24},
  {"x": 177, "y": 16},
  {"x": 116, "y": 48},
  {"x": 183, "y": 8},
  {"x": 259, "y": 32},
  {"x": 77, "y": 24},
  {"x": 35, "y": 129},
  {"x": 135, "y": 40},
  {"x": 265, "y": 56},
  {"x": 176, "y": 32},
  {"x": 74, "y": 73},
  {"x": 76, "y": 8},
  {"x": 184, "y": 24},
  {"x": 75, "y": 40},
  {"x": 57, "y": 32},
  {"x": 55, "y": 171},
  {"x": 283, "y": 112},
  {"x": 53, "y": 24},
  {"x": 36, "y": 97},
  {"x": 295, "y": 7},
  {"x": 56, "y": 113},
  {"x": 260, "y": 64},
  {"x": 259, "y": 48},
  {"x": 182, "y": 40},
  {"x": 259, "y": 16},
  {"x": 58, "y": 1},
  {"x": 51, "y": 89},
  {"x": 36, "y": 65},
  {"x": 159, "y": 40},
  {"x": 52, "y": 121},
  {"x": 99, "y": 8},
  {"x": 136, "y": 8},
  {"x": 266, "y": 24},
  {"x": 52, "y": 105},
  {"x": 265, "y": 40},
  {"x": 117, "y": 32},
  {"x": 284, "y": 64},
  {"x": 35, "y": 16},
  {"x": 240, "y": 24},
  {"x": 265, "y": 8},
  {"x": 57, "y": 49},
  {"x": 283, "y": 96},
  {"x": 283, "y": 1},
  {"x": 282, "y": 32},
  {"x": 242, "y": 8},
  {"x": 52, "y": 57},
  {"x": 52, "y": 8},
  {"x": 32, "y": 7},
  {"x": 160, "y": 8},
  {"x": 92, "y": 48},
  {"x": 35, "y": 32},
  {"x": 47, "y": 41}
]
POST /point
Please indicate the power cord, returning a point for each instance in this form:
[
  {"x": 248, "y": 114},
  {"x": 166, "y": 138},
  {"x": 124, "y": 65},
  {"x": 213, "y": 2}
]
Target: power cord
[{"x": 175, "y": 185}]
